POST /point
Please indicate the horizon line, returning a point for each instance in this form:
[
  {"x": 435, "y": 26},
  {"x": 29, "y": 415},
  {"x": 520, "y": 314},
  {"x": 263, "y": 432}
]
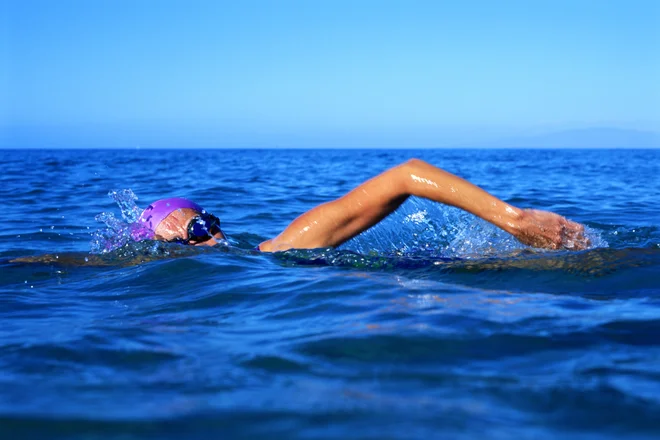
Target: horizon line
[{"x": 14, "y": 148}]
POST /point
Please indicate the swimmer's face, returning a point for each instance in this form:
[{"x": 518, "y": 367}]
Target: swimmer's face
[{"x": 175, "y": 227}]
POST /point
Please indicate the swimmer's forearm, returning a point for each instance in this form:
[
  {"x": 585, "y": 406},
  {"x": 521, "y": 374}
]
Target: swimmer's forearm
[{"x": 424, "y": 180}]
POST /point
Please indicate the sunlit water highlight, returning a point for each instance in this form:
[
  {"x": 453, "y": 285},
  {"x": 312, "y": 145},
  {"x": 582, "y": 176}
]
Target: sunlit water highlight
[{"x": 433, "y": 324}]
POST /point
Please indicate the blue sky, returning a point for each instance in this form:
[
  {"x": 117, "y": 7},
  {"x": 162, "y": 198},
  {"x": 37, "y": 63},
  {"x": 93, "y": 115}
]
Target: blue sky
[{"x": 322, "y": 73}]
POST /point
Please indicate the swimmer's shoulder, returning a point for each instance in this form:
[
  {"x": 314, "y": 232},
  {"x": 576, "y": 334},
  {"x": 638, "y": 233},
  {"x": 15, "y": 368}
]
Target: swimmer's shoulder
[
  {"x": 277, "y": 245},
  {"x": 265, "y": 246},
  {"x": 274, "y": 245}
]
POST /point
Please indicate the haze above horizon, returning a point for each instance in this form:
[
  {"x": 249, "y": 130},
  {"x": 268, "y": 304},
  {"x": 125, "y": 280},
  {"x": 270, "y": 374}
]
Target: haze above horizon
[{"x": 325, "y": 74}]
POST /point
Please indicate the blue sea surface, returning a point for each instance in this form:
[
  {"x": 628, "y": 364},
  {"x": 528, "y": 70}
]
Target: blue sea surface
[{"x": 434, "y": 324}]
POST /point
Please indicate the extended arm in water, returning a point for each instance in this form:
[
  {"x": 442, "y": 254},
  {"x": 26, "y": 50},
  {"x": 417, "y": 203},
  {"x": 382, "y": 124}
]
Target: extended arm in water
[{"x": 335, "y": 222}]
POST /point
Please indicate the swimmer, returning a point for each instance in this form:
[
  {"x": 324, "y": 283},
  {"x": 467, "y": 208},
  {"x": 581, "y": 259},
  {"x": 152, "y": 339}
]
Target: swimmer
[{"x": 335, "y": 222}]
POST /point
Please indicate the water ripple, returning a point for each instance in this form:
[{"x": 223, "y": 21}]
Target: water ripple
[{"x": 432, "y": 322}]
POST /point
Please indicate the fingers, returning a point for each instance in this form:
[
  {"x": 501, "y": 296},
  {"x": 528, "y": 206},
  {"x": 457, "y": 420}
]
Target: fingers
[
  {"x": 573, "y": 236},
  {"x": 574, "y": 226},
  {"x": 551, "y": 231}
]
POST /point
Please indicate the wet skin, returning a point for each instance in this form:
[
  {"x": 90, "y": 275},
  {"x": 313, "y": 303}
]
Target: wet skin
[
  {"x": 337, "y": 221},
  {"x": 175, "y": 226}
]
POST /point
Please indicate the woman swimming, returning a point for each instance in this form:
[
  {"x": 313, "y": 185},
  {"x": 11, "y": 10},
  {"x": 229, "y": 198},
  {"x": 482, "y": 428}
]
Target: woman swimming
[{"x": 332, "y": 223}]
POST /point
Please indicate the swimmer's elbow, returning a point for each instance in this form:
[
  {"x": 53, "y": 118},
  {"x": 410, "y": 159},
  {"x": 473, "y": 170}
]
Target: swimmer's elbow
[
  {"x": 414, "y": 162},
  {"x": 414, "y": 166},
  {"x": 408, "y": 168}
]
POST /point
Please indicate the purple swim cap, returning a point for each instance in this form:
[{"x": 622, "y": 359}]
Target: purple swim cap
[{"x": 156, "y": 213}]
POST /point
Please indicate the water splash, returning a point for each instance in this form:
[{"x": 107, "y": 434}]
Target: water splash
[
  {"x": 595, "y": 238},
  {"x": 118, "y": 232},
  {"x": 126, "y": 199},
  {"x": 420, "y": 228}
]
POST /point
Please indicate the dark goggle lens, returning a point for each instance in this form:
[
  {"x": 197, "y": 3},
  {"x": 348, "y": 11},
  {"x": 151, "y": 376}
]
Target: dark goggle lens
[{"x": 202, "y": 228}]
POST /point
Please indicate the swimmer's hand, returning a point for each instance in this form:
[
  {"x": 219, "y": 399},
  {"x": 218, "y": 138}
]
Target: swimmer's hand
[{"x": 548, "y": 230}]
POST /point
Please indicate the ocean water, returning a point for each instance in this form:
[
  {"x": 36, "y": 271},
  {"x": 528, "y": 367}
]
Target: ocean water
[{"x": 433, "y": 324}]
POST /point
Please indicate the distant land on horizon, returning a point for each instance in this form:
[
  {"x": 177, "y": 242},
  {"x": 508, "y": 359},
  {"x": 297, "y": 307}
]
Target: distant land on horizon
[{"x": 597, "y": 137}]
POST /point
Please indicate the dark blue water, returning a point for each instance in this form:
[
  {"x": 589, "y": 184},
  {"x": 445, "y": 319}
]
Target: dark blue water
[{"x": 432, "y": 325}]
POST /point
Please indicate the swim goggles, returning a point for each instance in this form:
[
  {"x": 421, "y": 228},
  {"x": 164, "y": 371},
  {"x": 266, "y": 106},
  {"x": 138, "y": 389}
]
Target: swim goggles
[{"x": 201, "y": 228}]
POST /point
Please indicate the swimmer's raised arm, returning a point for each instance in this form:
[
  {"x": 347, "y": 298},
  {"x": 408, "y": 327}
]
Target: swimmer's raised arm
[{"x": 335, "y": 222}]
